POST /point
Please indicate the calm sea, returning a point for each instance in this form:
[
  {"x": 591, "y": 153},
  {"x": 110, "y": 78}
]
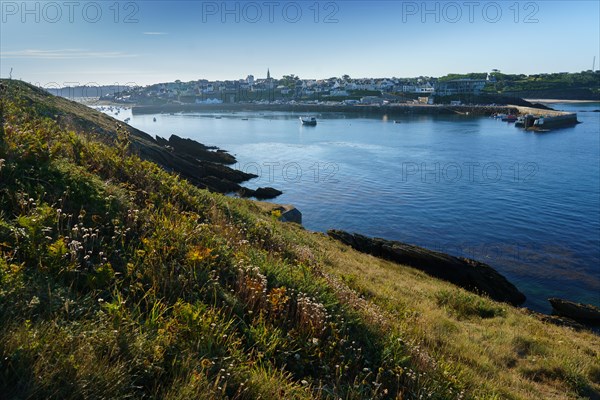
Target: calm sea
[{"x": 526, "y": 203}]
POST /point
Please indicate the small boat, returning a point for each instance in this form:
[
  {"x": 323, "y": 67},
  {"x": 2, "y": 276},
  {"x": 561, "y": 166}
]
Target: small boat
[
  {"x": 218, "y": 117},
  {"x": 526, "y": 121},
  {"x": 509, "y": 118},
  {"x": 154, "y": 119},
  {"x": 520, "y": 122},
  {"x": 244, "y": 119},
  {"x": 397, "y": 122},
  {"x": 309, "y": 121}
]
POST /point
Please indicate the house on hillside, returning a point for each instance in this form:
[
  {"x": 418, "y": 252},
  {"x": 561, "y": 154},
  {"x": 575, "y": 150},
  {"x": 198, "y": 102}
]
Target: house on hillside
[{"x": 460, "y": 86}]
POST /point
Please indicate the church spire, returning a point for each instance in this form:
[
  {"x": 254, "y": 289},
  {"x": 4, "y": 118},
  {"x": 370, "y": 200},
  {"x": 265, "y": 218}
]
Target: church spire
[{"x": 268, "y": 74}]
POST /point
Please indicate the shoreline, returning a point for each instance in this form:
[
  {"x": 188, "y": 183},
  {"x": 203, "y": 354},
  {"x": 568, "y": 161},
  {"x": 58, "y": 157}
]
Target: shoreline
[
  {"x": 400, "y": 109},
  {"x": 554, "y": 101},
  {"x": 408, "y": 255}
]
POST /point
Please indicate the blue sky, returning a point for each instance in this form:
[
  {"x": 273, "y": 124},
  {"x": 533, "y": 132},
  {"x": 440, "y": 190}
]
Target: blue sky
[{"x": 145, "y": 42}]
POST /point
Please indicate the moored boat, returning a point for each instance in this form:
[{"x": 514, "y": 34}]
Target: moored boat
[
  {"x": 309, "y": 121},
  {"x": 525, "y": 121},
  {"x": 509, "y": 118}
]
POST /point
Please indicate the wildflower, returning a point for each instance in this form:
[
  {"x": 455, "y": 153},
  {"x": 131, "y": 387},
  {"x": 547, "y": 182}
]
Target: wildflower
[
  {"x": 198, "y": 253},
  {"x": 276, "y": 214}
]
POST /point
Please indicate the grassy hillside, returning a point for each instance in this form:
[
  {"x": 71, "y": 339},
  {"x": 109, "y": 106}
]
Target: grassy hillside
[
  {"x": 204, "y": 166},
  {"x": 121, "y": 280}
]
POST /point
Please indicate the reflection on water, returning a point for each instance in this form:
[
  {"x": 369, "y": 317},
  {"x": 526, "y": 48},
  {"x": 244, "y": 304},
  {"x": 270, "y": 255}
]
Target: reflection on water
[{"x": 526, "y": 203}]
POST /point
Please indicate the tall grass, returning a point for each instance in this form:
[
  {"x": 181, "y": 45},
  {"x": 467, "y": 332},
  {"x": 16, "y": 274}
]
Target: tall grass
[{"x": 120, "y": 280}]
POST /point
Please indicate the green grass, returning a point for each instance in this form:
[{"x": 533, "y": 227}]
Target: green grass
[
  {"x": 120, "y": 280},
  {"x": 465, "y": 305}
]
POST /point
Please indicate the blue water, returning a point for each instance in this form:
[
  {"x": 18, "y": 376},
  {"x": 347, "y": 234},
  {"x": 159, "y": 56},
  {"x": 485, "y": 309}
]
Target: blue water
[{"x": 526, "y": 203}]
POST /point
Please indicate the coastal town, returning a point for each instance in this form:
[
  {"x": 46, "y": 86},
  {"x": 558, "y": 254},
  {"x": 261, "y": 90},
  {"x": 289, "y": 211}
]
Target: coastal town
[
  {"x": 476, "y": 88},
  {"x": 477, "y": 94}
]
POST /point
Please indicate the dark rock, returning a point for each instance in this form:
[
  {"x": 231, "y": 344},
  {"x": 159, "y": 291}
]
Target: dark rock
[
  {"x": 577, "y": 311},
  {"x": 219, "y": 185},
  {"x": 224, "y": 172},
  {"x": 204, "y": 174},
  {"x": 290, "y": 213},
  {"x": 199, "y": 151},
  {"x": 464, "y": 272},
  {"x": 265, "y": 193},
  {"x": 162, "y": 141}
]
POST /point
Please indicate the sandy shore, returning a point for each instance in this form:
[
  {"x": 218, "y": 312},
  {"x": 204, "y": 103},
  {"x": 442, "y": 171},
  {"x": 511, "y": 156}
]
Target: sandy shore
[{"x": 552, "y": 101}]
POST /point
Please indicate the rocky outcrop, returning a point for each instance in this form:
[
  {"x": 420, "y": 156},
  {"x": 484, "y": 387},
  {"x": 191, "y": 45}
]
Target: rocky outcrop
[
  {"x": 289, "y": 213},
  {"x": 585, "y": 313},
  {"x": 464, "y": 272},
  {"x": 266, "y": 193},
  {"x": 195, "y": 162},
  {"x": 204, "y": 166},
  {"x": 262, "y": 193},
  {"x": 191, "y": 148}
]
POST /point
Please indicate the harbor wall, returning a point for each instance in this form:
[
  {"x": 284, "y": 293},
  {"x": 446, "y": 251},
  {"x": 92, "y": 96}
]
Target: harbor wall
[{"x": 401, "y": 109}]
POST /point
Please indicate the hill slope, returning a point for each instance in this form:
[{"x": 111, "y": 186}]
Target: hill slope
[
  {"x": 204, "y": 166},
  {"x": 121, "y": 280}
]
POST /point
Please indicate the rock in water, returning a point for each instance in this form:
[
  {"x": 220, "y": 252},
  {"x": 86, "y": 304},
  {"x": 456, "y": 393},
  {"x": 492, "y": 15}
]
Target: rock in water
[
  {"x": 469, "y": 274},
  {"x": 577, "y": 311},
  {"x": 261, "y": 193},
  {"x": 289, "y": 213}
]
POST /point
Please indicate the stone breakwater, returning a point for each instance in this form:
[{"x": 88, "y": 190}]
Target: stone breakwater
[{"x": 390, "y": 110}]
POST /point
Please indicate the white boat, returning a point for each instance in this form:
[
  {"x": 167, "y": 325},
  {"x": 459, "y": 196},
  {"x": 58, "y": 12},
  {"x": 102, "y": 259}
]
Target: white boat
[{"x": 310, "y": 121}]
